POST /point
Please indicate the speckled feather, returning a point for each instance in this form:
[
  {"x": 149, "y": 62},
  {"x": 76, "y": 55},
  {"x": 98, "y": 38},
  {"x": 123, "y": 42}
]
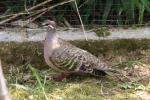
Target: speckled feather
[
  {"x": 73, "y": 59},
  {"x": 65, "y": 57}
]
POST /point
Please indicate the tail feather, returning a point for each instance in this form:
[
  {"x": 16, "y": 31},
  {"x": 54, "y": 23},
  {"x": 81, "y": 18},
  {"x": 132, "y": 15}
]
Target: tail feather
[
  {"x": 96, "y": 72},
  {"x": 110, "y": 72}
]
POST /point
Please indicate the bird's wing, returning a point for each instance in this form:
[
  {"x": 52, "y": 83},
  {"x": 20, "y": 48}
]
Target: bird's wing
[{"x": 72, "y": 59}]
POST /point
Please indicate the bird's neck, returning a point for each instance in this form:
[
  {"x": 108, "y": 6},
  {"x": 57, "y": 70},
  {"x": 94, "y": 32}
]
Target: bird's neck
[
  {"x": 50, "y": 37},
  {"x": 51, "y": 41}
]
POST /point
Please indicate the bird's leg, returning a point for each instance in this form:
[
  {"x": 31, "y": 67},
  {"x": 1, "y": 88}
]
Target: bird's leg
[{"x": 61, "y": 76}]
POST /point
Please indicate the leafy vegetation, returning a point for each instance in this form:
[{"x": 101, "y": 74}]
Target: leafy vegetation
[
  {"x": 102, "y": 32},
  {"x": 101, "y": 12}
]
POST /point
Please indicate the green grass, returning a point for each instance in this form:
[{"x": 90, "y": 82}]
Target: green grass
[
  {"x": 85, "y": 89},
  {"x": 40, "y": 86},
  {"x": 30, "y": 77}
]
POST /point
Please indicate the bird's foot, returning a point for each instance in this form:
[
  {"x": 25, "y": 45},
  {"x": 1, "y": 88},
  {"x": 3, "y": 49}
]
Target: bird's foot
[{"x": 60, "y": 77}]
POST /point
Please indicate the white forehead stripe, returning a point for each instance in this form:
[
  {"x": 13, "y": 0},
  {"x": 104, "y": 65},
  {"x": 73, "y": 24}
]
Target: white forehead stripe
[{"x": 51, "y": 26}]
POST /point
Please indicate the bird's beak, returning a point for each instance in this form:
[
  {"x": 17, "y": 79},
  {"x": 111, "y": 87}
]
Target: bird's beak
[{"x": 50, "y": 26}]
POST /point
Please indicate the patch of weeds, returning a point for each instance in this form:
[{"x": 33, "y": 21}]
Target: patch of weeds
[
  {"x": 132, "y": 85},
  {"x": 81, "y": 91},
  {"x": 39, "y": 81},
  {"x": 135, "y": 26},
  {"x": 128, "y": 63},
  {"x": 125, "y": 96},
  {"x": 102, "y": 32},
  {"x": 38, "y": 87}
]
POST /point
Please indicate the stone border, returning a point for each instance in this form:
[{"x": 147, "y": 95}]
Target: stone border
[{"x": 75, "y": 34}]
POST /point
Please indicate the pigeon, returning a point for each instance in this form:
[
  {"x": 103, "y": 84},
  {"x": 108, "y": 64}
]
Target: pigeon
[
  {"x": 66, "y": 58},
  {"x": 3, "y": 87}
]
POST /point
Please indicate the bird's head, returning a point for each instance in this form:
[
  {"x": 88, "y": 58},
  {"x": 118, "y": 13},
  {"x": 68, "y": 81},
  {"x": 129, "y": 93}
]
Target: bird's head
[{"x": 49, "y": 25}]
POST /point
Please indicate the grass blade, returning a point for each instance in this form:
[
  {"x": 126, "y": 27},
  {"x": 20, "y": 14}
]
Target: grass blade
[{"x": 38, "y": 79}]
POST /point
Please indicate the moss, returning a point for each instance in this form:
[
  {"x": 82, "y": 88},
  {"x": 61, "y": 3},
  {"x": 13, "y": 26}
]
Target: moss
[
  {"x": 102, "y": 32},
  {"x": 18, "y": 94},
  {"x": 15, "y": 57},
  {"x": 115, "y": 46},
  {"x": 18, "y": 54},
  {"x": 128, "y": 96},
  {"x": 82, "y": 91}
]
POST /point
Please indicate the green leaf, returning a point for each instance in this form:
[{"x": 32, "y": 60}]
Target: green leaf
[
  {"x": 107, "y": 10},
  {"x": 129, "y": 9}
]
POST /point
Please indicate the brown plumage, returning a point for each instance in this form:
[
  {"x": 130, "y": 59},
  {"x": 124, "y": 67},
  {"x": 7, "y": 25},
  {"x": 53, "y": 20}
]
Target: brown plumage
[{"x": 67, "y": 58}]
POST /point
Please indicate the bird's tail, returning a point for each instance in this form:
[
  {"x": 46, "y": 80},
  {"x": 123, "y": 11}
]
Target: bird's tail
[
  {"x": 3, "y": 88},
  {"x": 109, "y": 71},
  {"x": 96, "y": 72}
]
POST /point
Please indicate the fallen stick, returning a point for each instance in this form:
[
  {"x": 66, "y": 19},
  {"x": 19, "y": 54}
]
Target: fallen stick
[
  {"x": 3, "y": 88},
  {"x": 44, "y": 10},
  {"x": 30, "y": 9},
  {"x": 34, "y": 18}
]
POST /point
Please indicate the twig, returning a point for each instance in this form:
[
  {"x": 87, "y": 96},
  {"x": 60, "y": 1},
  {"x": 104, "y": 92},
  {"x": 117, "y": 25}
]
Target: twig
[
  {"x": 22, "y": 13},
  {"x": 33, "y": 14},
  {"x": 38, "y": 16},
  {"x": 58, "y": 4},
  {"x": 38, "y": 5},
  {"x": 102, "y": 93},
  {"x": 80, "y": 19},
  {"x": 41, "y": 10},
  {"x": 83, "y": 3},
  {"x": 49, "y": 8},
  {"x": 34, "y": 18},
  {"x": 30, "y": 9},
  {"x": 6, "y": 20},
  {"x": 6, "y": 12},
  {"x": 25, "y": 6}
]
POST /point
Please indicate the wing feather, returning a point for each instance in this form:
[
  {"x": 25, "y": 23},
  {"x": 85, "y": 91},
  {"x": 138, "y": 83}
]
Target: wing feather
[{"x": 72, "y": 59}]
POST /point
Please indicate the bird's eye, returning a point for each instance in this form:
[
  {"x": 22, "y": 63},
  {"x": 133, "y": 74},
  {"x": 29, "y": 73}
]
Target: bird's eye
[{"x": 45, "y": 24}]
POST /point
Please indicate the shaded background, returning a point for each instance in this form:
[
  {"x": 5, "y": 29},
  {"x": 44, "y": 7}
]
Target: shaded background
[{"x": 93, "y": 12}]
